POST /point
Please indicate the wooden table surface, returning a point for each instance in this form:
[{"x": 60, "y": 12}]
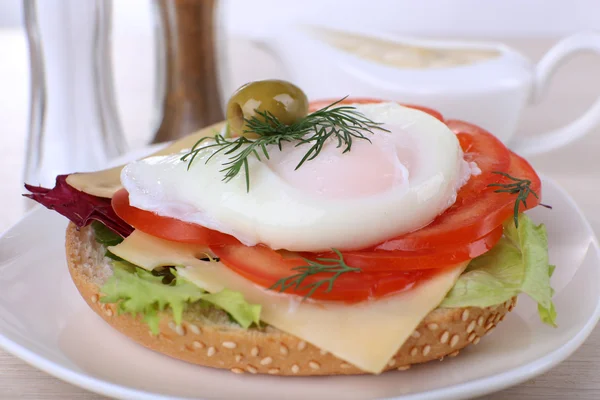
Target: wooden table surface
[{"x": 576, "y": 168}]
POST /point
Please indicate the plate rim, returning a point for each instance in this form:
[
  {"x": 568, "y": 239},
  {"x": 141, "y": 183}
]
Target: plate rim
[{"x": 472, "y": 388}]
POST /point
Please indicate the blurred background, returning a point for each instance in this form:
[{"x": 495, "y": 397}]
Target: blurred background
[{"x": 531, "y": 27}]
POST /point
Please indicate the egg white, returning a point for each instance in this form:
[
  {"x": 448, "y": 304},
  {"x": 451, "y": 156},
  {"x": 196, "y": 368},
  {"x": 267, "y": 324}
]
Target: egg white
[{"x": 345, "y": 201}]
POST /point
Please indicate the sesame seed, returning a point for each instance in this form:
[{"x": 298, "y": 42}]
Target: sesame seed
[
  {"x": 453, "y": 354},
  {"x": 491, "y": 329},
  {"x": 229, "y": 345},
  {"x": 95, "y": 298},
  {"x": 266, "y": 361},
  {"x": 514, "y": 302},
  {"x": 323, "y": 352},
  {"x": 491, "y": 319},
  {"x": 172, "y": 325},
  {"x": 197, "y": 344},
  {"x": 508, "y": 303},
  {"x": 254, "y": 352},
  {"x": 426, "y": 350},
  {"x": 471, "y": 327},
  {"x": 273, "y": 371},
  {"x": 454, "y": 340},
  {"x": 179, "y": 329},
  {"x": 415, "y": 334},
  {"x": 211, "y": 351},
  {"x": 445, "y": 336},
  {"x": 238, "y": 357},
  {"x": 251, "y": 369},
  {"x": 403, "y": 368},
  {"x": 237, "y": 370},
  {"x": 432, "y": 326},
  {"x": 295, "y": 369},
  {"x": 476, "y": 340},
  {"x": 314, "y": 365},
  {"x": 480, "y": 321},
  {"x": 472, "y": 337},
  {"x": 465, "y": 315},
  {"x": 345, "y": 365},
  {"x": 283, "y": 350},
  {"x": 413, "y": 351},
  {"x": 194, "y": 328},
  {"x": 510, "y": 308},
  {"x": 392, "y": 362},
  {"x": 489, "y": 326},
  {"x": 442, "y": 358},
  {"x": 301, "y": 345},
  {"x": 498, "y": 318},
  {"x": 108, "y": 312}
]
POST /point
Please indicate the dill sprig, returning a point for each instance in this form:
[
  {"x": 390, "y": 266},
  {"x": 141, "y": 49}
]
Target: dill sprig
[
  {"x": 340, "y": 122},
  {"x": 520, "y": 187},
  {"x": 333, "y": 267}
]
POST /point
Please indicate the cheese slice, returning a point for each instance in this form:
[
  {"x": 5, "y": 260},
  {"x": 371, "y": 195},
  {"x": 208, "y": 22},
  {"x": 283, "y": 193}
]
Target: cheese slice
[
  {"x": 106, "y": 182},
  {"x": 366, "y": 334}
]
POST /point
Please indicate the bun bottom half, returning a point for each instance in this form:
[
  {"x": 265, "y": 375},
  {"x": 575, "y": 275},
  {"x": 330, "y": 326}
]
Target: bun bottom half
[{"x": 208, "y": 338}]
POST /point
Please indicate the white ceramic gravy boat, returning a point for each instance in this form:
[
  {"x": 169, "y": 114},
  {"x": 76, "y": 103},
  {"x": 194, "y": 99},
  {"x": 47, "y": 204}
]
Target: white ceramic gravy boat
[{"x": 491, "y": 93}]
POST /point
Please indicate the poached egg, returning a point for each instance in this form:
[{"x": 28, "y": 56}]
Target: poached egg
[{"x": 396, "y": 183}]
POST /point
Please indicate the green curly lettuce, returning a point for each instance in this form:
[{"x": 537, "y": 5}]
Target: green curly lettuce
[
  {"x": 139, "y": 292},
  {"x": 517, "y": 264}
]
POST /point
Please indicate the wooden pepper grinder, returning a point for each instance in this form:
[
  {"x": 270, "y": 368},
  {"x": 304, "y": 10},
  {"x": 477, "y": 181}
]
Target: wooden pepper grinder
[{"x": 191, "y": 96}]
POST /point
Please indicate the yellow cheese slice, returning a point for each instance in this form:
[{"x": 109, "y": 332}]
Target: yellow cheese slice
[
  {"x": 106, "y": 182},
  {"x": 366, "y": 334}
]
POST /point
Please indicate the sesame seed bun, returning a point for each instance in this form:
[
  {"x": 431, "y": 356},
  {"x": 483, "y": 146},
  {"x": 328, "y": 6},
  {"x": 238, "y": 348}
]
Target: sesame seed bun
[{"x": 207, "y": 337}]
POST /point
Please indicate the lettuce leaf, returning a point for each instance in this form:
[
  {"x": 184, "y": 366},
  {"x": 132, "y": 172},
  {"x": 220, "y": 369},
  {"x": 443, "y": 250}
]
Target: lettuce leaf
[
  {"x": 517, "y": 264},
  {"x": 138, "y": 292},
  {"x": 234, "y": 304},
  {"x": 548, "y": 314},
  {"x": 104, "y": 235}
]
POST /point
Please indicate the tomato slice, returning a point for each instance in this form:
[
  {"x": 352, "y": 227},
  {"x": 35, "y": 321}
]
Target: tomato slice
[
  {"x": 164, "y": 227},
  {"x": 382, "y": 260},
  {"x": 472, "y": 216},
  {"x": 264, "y": 266},
  {"x": 382, "y": 272},
  {"x": 485, "y": 150},
  {"x": 318, "y": 104}
]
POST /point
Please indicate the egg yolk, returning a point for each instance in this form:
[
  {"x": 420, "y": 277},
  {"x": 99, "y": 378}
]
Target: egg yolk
[{"x": 369, "y": 168}]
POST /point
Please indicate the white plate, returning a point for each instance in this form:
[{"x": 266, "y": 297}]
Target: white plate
[{"x": 44, "y": 321}]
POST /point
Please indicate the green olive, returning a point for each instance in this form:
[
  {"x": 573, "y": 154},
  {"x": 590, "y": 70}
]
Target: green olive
[{"x": 286, "y": 101}]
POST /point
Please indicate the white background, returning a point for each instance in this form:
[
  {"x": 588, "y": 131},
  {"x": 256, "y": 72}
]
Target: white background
[{"x": 459, "y": 17}]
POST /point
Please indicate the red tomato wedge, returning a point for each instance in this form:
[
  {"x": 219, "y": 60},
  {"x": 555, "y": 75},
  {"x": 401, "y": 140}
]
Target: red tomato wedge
[
  {"x": 265, "y": 267},
  {"x": 164, "y": 227}
]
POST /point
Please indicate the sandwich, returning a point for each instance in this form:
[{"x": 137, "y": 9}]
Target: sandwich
[{"x": 298, "y": 238}]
